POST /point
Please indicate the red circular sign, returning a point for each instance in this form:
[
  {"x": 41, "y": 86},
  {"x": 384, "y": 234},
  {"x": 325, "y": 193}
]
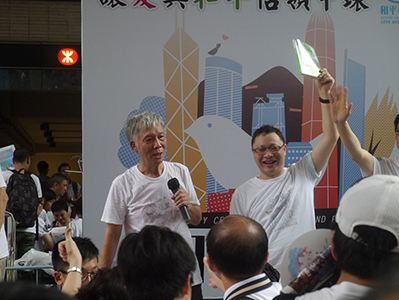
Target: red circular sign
[{"x": 67, "y": 56}]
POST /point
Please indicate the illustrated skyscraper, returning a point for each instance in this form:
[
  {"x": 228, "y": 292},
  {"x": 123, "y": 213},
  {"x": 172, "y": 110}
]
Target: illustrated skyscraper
[
  {"x": 222, "y": 97},
  {"x": 355, "y": 80},
  {"x": 272, "y": 113},
  {"x": 320, "y": 35},
  {"x": 180, "y": 57}
]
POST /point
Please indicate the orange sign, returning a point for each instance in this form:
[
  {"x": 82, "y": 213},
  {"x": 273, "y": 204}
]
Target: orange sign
[{"x": 67, "y": 56}]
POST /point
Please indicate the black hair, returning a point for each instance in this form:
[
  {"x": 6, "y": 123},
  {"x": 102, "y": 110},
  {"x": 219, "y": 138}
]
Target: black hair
[
  {"x": 48, "y": 195},
  {"x": 63, "y": 165},
  {"x": 57, "y": 178},
  {"x": 86, "y": 247},
  {"x": 386, "y": 287},
  {"x": 59, "y": 205},
  {"x": 25, "y": 290},
  {"x": 42, "y": 166},
  {"x": 105, "y": 285},
  {"x": 238, "y": 247},
  {"x": 155, "y": 261},
  {"x": 21, "y": 154},
  {"x": 396, "y": 122},
  {"x": 266, "y": 129},
  {"x": 367, "y": 257}
]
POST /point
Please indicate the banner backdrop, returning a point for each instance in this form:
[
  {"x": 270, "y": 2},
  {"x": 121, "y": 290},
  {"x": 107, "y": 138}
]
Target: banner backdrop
[{"x": 218, "y": 69}]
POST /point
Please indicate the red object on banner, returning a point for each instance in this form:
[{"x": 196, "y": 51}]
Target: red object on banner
[
  {"x": 67, "y": 56},
  {"x": 219, "y": 202}
]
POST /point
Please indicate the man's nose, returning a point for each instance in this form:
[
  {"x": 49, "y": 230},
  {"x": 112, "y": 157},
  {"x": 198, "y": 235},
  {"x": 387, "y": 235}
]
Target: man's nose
[
  {"x": 158, "y": 143},
  {"x": 268, "y": 153}
]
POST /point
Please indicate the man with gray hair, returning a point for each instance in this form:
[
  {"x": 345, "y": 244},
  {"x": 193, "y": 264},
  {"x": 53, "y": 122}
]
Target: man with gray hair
[{"x": 140, "y": 196}]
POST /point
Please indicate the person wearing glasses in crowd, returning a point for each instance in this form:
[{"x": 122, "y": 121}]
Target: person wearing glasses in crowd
[
  {"x": 281, "y": 199},
  {"x": 68, "y": 261},
  {"x": 368, "y": 164}
]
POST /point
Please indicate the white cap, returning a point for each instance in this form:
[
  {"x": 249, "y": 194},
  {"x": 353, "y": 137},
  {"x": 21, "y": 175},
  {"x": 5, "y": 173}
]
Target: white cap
[{"x": 374, "y": 201}]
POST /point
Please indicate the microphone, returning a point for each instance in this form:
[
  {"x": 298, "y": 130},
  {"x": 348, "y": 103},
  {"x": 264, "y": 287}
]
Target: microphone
[{"x": 174, "y": 186}]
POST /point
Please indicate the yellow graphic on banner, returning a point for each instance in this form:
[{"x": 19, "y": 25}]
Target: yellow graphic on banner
[
  {"x": 379, "y": 131},
  {"x": 181, "y": 59}
]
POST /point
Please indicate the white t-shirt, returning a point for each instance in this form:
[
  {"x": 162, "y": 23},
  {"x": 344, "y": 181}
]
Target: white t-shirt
[
  {"x": 386, "y": 166},
  {"x": 343, "y": 291},
  {"x": 3, "y": 237},
  {"x": 136, "y": 200},
  {"x": 44, "y": 223},
  {"x": 77, "y": 227},
  {"x": 265, "y": 294},
  {"x": 284, "y": 205},
  {"x": 7, "y": 174},
  {"x": 44, "y": 228}
]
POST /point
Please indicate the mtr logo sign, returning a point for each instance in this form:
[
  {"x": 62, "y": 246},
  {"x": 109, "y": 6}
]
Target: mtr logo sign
[{"x": 67, "y": 56}]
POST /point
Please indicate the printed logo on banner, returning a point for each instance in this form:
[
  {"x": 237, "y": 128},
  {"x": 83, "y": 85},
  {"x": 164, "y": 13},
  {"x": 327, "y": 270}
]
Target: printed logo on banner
[{"x": 390, "y": 13}]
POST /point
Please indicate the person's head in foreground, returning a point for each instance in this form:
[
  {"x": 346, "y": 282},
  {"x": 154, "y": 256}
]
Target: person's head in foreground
[
  {"x": 105, "y": 285},
  {"x": 21, "y": 290},
  {"x": 156, "y": 263},
  {"x": 89, "y": 254},
  {"x": 237, "y": 248},
  {"x": 366, "y": 239}
]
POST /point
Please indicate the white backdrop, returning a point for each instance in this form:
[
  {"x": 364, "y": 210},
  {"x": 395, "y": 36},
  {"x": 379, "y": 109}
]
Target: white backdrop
[{"x": 123, "y": 63}]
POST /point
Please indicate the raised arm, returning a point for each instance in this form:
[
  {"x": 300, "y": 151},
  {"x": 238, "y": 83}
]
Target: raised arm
[
  {"x": 70, "y": 253},
  {"x": 341, "y": 110},
  {"x": 324, "y": 147},
  {"x": 111, "y": 240}
]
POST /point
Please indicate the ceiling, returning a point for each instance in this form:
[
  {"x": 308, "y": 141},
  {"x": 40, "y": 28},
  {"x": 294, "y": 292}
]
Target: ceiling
[{"x": 23, "y": 112}]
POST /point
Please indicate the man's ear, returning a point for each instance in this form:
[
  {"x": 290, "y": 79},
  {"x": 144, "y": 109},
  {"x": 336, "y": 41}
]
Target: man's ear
[
  {"x": 333, "y": 252},
  {"x": 267, "y": 257},
  {"x": 187, "y": 287},
  {"x": 133, "y": 146},
  {"x": 211, "y": 265},
  {"x": 59, "y": 278}
]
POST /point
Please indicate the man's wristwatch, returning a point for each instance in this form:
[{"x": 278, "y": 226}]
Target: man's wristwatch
[
  {"x": 75, "y": 269},
  {"x": 324, "y": 100}
]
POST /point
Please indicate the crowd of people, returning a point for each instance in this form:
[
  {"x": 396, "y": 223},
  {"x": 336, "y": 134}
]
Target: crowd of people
[
  {"x": 55, "y": 206},
  {"x": 245, "y": 249}
]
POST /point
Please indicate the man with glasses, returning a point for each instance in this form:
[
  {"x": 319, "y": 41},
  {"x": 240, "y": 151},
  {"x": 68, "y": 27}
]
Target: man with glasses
[
  {"x": 368, "y": 164},
  {"x": 281, "y": 199},
  {"x": 89, "y": 266}
]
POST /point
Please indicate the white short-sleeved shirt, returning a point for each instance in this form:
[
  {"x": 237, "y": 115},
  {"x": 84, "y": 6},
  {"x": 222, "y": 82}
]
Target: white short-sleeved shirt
[
  {"x": 386, "y": 166},
  {"x": 135, "y": 200},
  {"x": 344, "y": 291},
  {"x": 77, "y": 227},
  {"x": 284, "y": 205}
]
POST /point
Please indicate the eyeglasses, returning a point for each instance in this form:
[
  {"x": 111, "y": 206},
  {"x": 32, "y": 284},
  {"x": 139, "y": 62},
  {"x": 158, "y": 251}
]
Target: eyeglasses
[
  {"x": 273, "y": 149},
  {"x": 84, "y": 275}
]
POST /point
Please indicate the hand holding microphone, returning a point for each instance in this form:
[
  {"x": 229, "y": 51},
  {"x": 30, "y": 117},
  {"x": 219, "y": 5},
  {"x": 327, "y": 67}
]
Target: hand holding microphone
[{"x": 174, "y": 186}]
